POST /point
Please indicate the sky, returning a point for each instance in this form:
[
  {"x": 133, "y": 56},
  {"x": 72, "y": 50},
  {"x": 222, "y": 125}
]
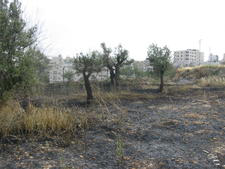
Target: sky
[{"x": 71, "y": 26}]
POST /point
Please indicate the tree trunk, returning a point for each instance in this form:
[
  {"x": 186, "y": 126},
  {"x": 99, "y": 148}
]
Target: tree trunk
[
  {"x": 117, "y": 76},
  {"x": 88, "y": 88},
  {"x": 112, "y": 77},
  {"x": 161, "y": 82}
]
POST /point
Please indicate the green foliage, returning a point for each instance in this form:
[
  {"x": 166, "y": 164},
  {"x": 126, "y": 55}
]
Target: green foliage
[
  {"x": 88, "y": 63},
  {"x": 119, "y": 149},
  {"x": 15, "y": 40},
  {"x": 159, "y": 58},
  {"x": 114, "y": 61}
]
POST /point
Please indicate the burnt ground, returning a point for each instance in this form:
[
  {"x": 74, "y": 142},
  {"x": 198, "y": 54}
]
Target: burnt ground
[{"x": 174, "y": 131}]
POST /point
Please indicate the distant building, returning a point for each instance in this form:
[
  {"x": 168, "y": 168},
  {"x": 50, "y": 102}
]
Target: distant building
[
  {"x": 223, "y": 60},
  {"x": 59, "y": 66},
  {"x": 142, "y": 65},
  {"x": 213, "y": 58},
  {"x": 189, "y": 57}
]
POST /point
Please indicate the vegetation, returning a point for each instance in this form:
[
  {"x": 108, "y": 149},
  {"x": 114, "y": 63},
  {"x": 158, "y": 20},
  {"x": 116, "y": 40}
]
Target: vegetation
[
  {"x": 87, "y": 64},
  {"x": 115, "y": 62},
  {"x": 198, "y": 72},
  {"x": 44, "y": 121},
  {"x": 15, "y": 41},
  {"x": 159, "y": 58}
]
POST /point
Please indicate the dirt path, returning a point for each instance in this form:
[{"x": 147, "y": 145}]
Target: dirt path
[{"x": 174, "y": 132}]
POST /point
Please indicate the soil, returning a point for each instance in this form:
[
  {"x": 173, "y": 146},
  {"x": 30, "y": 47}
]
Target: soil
[{"x": 176, "y": 131}]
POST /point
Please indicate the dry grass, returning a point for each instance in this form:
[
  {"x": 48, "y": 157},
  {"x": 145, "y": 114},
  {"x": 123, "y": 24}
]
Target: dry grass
[
  {"x": 180, "y": 88},
  {"x": 123, "y": 95},
  {"x": 194, "y": 116},
  {"x": 213, "y": 81},
  {"x": 195, "y": 73},
  {"x": 41, "y": 121}
]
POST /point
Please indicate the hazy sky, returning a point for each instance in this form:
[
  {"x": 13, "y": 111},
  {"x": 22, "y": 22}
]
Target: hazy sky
[{"x": 71, "y": 26}]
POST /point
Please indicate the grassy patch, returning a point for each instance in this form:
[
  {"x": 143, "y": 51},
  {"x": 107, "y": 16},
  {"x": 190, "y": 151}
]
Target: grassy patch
[
  {"x": 41, "y": 121},
  {"x": 213, "y": 81},
  {"x": 198, "y": 72}
]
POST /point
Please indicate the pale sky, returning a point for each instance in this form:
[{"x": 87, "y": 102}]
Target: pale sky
[{"x": 72, "y": 26}]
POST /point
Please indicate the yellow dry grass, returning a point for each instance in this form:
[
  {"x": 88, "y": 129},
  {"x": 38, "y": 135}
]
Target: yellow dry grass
[
  {"x": 213, "y": 81},
  {"x": 49, "y": 120},
  {"x": 194, "y": 116}
]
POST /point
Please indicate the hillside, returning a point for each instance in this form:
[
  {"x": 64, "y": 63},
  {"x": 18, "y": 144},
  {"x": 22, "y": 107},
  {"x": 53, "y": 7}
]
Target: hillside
[{"x": 199, "y": 72}]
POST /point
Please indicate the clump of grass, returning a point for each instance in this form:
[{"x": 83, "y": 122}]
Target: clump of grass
[
  {"x": 119, "y": 151},
  {"x": 213, "y": 81},
  {"x": 40, "y": 121}
]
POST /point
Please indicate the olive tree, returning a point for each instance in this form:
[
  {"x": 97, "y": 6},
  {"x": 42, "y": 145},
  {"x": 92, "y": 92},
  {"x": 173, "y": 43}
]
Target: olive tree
[
  {"x": 159, "y": 58},
  {"x": 87, "y": 64},
  {"x": 108, "y": 62},
  {"x": 114, "y": 61}
]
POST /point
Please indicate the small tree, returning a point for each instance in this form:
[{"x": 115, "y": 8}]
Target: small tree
[
  {"x": 121, "y": 59},
  {"x": 108, "y": 62},
  {"x": 87, "y": 64},
  {"x": 115, "y": 62},
  {"x": 159, "y": 58}
]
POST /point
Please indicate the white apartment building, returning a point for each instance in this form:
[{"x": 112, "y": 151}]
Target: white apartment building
[
  {"x": 213, "y": 58},
  {"x": 58, "y": 67},
  {"x": 189, "y": 57}
]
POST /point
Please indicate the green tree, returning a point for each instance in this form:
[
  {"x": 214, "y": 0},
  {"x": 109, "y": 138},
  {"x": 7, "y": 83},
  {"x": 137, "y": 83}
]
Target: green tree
[
  {"x": 15, "y": 40},
  {"x": 114, "y": 62},
  {"x": 121, "y": 59},
  {"x": 87, "y": 64},
  {"x": 108, "y": 61},
  {"x": 159, "y": 58}
]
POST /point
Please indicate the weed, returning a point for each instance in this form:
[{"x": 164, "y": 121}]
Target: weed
[{"x": 119, "y": 149}]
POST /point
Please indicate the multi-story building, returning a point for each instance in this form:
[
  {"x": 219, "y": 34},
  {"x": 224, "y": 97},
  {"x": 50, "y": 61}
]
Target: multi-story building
[
  {"x": 58, "y": 67},
  {"x": 213, "y": 58},
  {"x": 189, "y": 57}
]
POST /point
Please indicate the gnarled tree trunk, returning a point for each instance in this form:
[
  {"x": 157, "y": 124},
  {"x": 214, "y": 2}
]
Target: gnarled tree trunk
[
  {"x": 117, "y": 76},
  {"x": 161, "y": 86},
  {"x": 88, "y": 88},
  {"x": 112, "y": 77}
]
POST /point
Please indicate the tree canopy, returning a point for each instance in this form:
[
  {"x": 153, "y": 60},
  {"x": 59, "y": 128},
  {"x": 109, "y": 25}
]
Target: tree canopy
[{"x": 15, "y": 40}]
